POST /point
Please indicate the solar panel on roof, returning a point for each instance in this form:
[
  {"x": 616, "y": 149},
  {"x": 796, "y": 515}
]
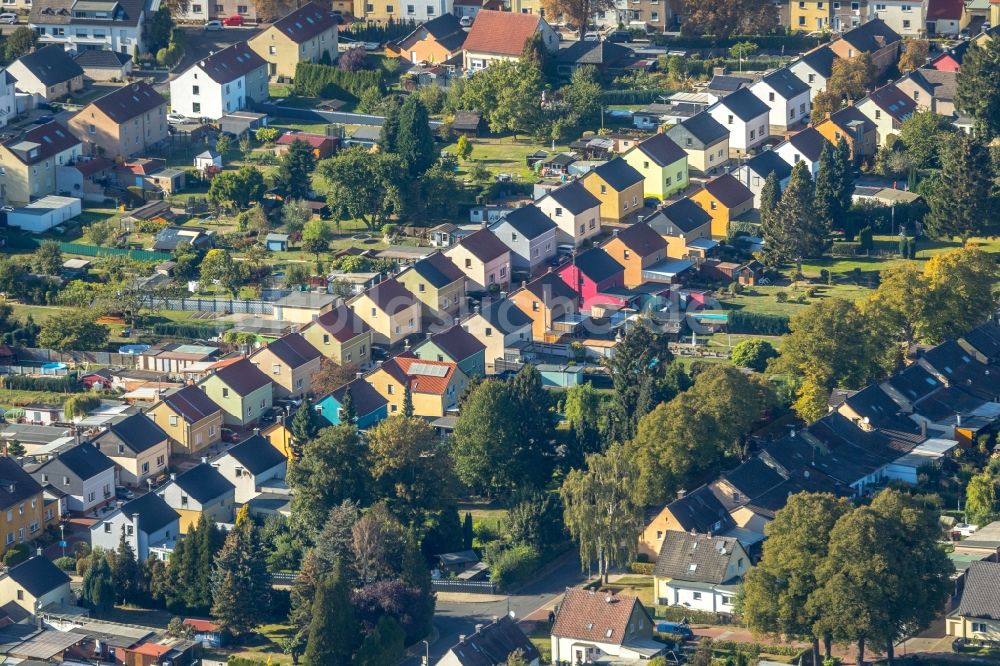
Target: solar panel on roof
[{"x": 428, "y": 370}]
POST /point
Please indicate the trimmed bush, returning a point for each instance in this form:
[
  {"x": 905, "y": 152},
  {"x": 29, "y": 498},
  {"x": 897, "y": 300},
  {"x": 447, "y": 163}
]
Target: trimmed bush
[
  {"x": 312, "y": 80},
  {"x": 193, "y": 331},
  {"x": 65, "y": 384},
  {"x": 845, "y": 248},
  {"x": 633, "y": 96},
  {"x": 66, "y": 563},
  {"x": 644, "y": 568},
  {"x": 755, "y": 323}
]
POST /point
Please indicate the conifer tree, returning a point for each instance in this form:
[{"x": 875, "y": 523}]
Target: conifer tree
[
  {"x": 384, "y": 645},
  {"x": 845, "y": 188},
  {"x": 978, "y": 92},
  {"x": 125, "y": 572},
  {"x": 795, "y": 230},
  {"x": 348, "y": 414},
  {"x": 828, "y": 182},
  {"x": 961, "y": 203},
  {"x": 241, "y": 586},
  {"x": 304, "y": 426},
  {"x": 414, "y": 142},
  {"x": 333, "y": 631},
  {"x": 98, "y": 593},
  {"x": 407, "y": 401},
  {"x": 770, "y": 195},
  {"x": 295, "y": 169}
]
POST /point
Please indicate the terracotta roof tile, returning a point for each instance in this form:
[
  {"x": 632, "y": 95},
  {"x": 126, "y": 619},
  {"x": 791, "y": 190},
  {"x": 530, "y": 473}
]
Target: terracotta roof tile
[
  {"x": 589, "y": 616},
  {"x": 501, "y": 33}
]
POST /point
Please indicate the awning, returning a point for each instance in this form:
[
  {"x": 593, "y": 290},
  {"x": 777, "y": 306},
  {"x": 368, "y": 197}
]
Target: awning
[{"x": 647, "y": 648}]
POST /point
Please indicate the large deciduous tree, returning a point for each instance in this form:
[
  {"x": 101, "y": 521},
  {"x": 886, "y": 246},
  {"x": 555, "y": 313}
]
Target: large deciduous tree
[
  {"x": 729, "y": 17},
  {"x": 363, "y": 185},
  {"x": 73, "y": 330},
  {"x": 508, "y": 93},
  {"x": 577, "y": 12}
]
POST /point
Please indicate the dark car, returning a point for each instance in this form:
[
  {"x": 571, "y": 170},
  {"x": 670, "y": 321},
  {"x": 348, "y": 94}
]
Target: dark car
[
  {"x": 676, "y": 628},
  {"x": 229, "y": 435},
  {"x": 41, "y": 120},
  {"x": 619, "y": 36}
]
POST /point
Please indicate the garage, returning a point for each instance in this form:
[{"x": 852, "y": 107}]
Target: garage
[{"x": 44, "y": 214}]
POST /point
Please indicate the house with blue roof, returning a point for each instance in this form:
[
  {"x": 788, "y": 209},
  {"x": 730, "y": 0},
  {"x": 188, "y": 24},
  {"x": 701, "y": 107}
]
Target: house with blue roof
[{"x": 370, "y": 408}]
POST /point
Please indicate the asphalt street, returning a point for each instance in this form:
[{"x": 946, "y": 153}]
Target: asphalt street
[{"x": 455, "y": 619}]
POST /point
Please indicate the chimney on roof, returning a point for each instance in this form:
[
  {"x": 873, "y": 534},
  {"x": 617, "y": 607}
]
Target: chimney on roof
[
  {"x": 38, "y": 551},
  {"x": 359, "y": 374},
  {"x": 681, "y": 493},
  {"x": 461, "y": 638},
  {"x": 479, "y": 628},
  {"x": 204, "y": 459},
  {"x": 11, "y": 487},
  {"x": 923, "y": 428},
  {"x": 173, "y": 476},
  {"x": 524, "y": 283}
]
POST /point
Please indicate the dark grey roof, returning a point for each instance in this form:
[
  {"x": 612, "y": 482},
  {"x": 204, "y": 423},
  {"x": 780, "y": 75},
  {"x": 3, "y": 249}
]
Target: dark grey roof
[
  {"x": 574, "y": 197},
  {"x": 695, "y": 557},
  {"x": 457, "y": 343},
  {"x": 914, "y": 383},
  {"x": 641, "y": 239},
  {"x": 661, "y": 149},
  {"x": 243, "y": 377},
  {"x": 293, "y": 350},
  {"x": 618, "y": 173},
  {"x": 138, "y": 432},
  {"x": 851, "y": 116},
  {"x": 820, "y": 60},
  {"x": 589, "y": 52},
  {"x": 753, "y": 478},
  {"x": 728, "y": 83},
  {"x": 306, "y": 22},
  {"x": 439, "y": 270},
  {"x": 230, "y": 63},
  {"x": 881, "y": 411},
  {"x": 744, "y": 104},
  {"x": 597, "y": 265},
  {"x": 981, "y": 597},
  {"x": 366, "y": 399},
  {"x": 528, "y": 221},
  {"x": 957, "y": 365},
  {"x": 504, "y": 315},
  {"x": 550, "y": 286},
  {"x": 129, "y": 101},
  {"x": 941, "y": 84},
  {"x": 809, "y": 142},
  {"x": 785, "y": 83},
  {"x": 50, "y": 139},
  {"x": 102, "y": 59},
  {"x": 51, "y": 65},
  {"x": 683, "y": 214},
  {"x": 38, "y": 575},
  {"x": 154, "y": 512},
  {"x": 204, "y": 483},
  {"x": 442, "y": 26},
  {"x": 705, "y": 128},
  {"x": 985, "y": 339},
  {"x": 767, "y": 161},
  {"x": 118, "y": 13},
  {"x": 84, "y": 460},
  {"x": 701, "y": 511},
  {"x": 871, "y": 36},
  {"x": 493, "y": 643},
  {"x": 256, "y": 454},
  {"x": 16, "y": 485},
  {"x": 484, "y": 245},
  {"x": 728, "y": 190},
  {"x": 190, "y": 403}
]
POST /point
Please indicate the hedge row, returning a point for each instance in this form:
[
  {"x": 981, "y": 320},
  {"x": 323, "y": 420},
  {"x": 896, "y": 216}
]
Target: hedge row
[
  {"x": 755, "y": 323},
  {"x": 314, "y": 80},
  {"x": 64, "y": 384},
  {"x": 791, "y": 43},
  {"x": 846, "y": 248},
  {"x": 644, "y": 568},
  {"x": 513, "y": 565},
  {"x": 193, "y": 331},
  {"x": 756, "y": 648},
  {"x": 633, "y": 96}
]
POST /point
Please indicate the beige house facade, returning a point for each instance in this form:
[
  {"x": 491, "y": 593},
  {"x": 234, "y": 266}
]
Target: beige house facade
[
  {"x": 124, "y": 123},
  {"x": 309, "y": 34}
]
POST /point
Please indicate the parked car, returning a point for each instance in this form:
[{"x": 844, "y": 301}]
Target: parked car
[
  {"x": 235, "y": 20},
  {"x": 619, "y": 36},
  {"x": 123, "y": 493},
  {"x": 677, "y": 628},
  {"x": 176, "y": 118},
  {"x": 213, "y": 25},
  {"x": 41, "y": 120},
  {"x": 8, "y": 17}
]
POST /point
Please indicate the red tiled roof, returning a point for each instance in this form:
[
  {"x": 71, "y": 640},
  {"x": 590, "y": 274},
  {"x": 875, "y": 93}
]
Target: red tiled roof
[
  {"x": 950, "y": 10},
  {"x": 590, "y": 616},
  {"x": 314, "y": 140},
  {"x": 151, "y": 649},
  {"x": 500, "y": 33},
  {"x": 402, "y": 367},
  {"x": 201, "y": 625}
]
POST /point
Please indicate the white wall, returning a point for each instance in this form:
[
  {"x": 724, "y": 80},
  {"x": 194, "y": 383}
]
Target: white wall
[
  {"x": 216, "y": 99},
  {"x": 817, "y": 83},
  {"x": 791, "y": 154},
  {"x": 246, "y": 484},
  {"x": 906, "y": 18},
  {"x": 113, "y": 37},
  {"x": 568, "y": 225},
  {"x": 740, "y": 132}
]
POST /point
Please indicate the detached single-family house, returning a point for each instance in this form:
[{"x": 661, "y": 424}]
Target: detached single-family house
[
  {"x": 30, "y": 160},
  {"x": 301, "y": 307},
  {"x": 485, "y": 260},
  {"x": 146, "y": 521},
  {"x": 575, "y": 211},
  {"x": 546, "y": 300},
  {"x": 200, "y": 490},
  {"x": 369, "y": 406},
  {"x": 492, "y": 644},
  {"x": 592, "y": 624},
  {"x": 498, "y": 35},
  {"x": 48, "y": 73},
  {"x": 602, "y": 55},
  {"x": 877, "y": 37},
  {"x": 457, "y": 346},
  {"x": 123, "y": 123},
  {"x": 341, "y": 336},
  {"x": 977, "y": 617},
  {"x": 619, "y": 186},
  {"x": 662, "y": 163},
  {"x": 192, "y": 421},
  {"x": 139, "y": 448},
  {"x": 814, "y": 68},
  {"x": 706, "y": 142},
  {"x": 855, "y": 128},
  {"x": 81, "y": 473},
  {"x": 724, "y": 199},
  {"x": 435, "y": 41},
  {"x": 787, "y": 96},
  {"x": 437, "y": 283},
  {"x": 502, "y": 328},
  {"x": 754, "y": 172},
  {"x": 887, "y": 107},
  {"x": 931, "y": 89},
  {"x": 249, "y": 464},
  {"x": 290, "y": 362},
  {"x": 23, "y": 502},
  {"x": 531, "y": 237},
  {"x": 225, "y": 81},
  {"x": 307, "y": 34},
  {"x": 686, "y": 227},
  {"x": 390, "y": 310},
  {"x": 699, "y": 571},
  {"x": 33, "y": 585},
  {"x": 746, "y": 117},
  {"x": 434, "y": 386},
  {"x": 591, "y": 274},
  {"x": 241, "y": 390},
  {"x": 636, "y": 248},
  {"x": 805, "y": 146}
]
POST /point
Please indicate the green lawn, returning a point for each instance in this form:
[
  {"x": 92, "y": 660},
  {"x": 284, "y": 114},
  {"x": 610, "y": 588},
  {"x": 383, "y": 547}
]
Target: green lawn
[
  {"x": 504, "y": 154},
  {"x": 294, "y": 123},
  {"x": 542, "y": 640},
  {"x": 635, "y": 586},
  {"x": 10, "y": 398},
  {"x": 763, "y": 300}
]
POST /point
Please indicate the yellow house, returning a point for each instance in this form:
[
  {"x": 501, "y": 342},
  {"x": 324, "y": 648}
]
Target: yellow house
[
  {"x": 636, "y": 248},
  {"x": 21, "y": 505},
  {"x": 139, "y": 448},
  {"x": 699, "y": 510},
  {"x": 123, "y": 123},
  {"x": 662, "y": 163},
  {"x": 390, "y": 310},
  {"x": 483, "y": 258},
  {"x": 280, "y": 438},
  {"x": 618, "y": 186},
  {"x": 189, "y": 417},
  {"x": 200, "y": 490},
  {"x": 724, "y": 199},
  {"x": 977, "y": 617},
  {"x": 685, "y": 227},
  {"x": 341, "y": 336},
  {"x": 435, "y": 386},
  {"x": 437, "y": 283},
  {"x": 810, "y": 15},
  {"x": 290, "y": 362},
  {"x": 301, "y": 307},
  {"x": 34, "y": 584},
  {"x": 308, "y": 34}
]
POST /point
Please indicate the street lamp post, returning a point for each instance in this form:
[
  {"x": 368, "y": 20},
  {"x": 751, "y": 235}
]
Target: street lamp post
[
  {"x": 427, "y": 653},
  {"x": 62, "y": 538}
]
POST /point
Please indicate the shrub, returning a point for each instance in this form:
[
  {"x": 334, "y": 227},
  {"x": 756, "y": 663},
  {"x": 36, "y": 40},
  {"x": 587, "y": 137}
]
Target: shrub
[
  {"x": 512, "y": 565},
  {"x": 643, "y": 568},
  {"x": 66, "y": 563},
  {"x": 753, "y": 354},
  {"x": 192, "y": 331},
  {"x": 65, "y": 384},
  {"x": 314, "y": 80},
  {"x": 755, "y": 323},
  {"x": 781, "y": 296},
  {"x": 15, "y": 555},
  {"x": 845, "y": 248}
]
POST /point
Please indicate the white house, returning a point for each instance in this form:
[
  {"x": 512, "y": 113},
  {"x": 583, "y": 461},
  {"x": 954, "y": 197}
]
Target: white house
[
  {"x": 906, "y": 17},
  {"x": 591, "y": 625},
  {"x": 8, "y": 101},
  {"x": 887, "y": 107},
  {"x": 200, "y": 490},
  {"x": 503, "y": 328},
  {"x": 814, "y": 68},
  {"x": 147, "y": 521},
  {"x": 80, "y": 25},
  {"x": 576, "y": 212},
  {"x": 755, "y": 171},
  {"x": 81, "y": 472},
  {"x": 787, "y": 96},
  {"x": 804, "y": 146},
  {"x": 699, "y": 571},
  {"x": 249, "y": 464},
  {"x": 31, "y": 586},
  {"x": 745, "y": 116},
  {"x": 226, "y": 81}
]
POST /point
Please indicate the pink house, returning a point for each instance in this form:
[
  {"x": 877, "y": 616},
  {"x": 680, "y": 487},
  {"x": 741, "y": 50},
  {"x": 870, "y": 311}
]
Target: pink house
[{"x": 592, "y": 274}]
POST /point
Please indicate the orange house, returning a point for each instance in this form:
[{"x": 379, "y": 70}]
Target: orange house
[
  {"x": 636, "y": 248},
  {"x": 546, "y": 300},
  {"x": 435, "y": 41},
  {"x": 855, "y": 128},
  {"x": 723, "y": 198}
]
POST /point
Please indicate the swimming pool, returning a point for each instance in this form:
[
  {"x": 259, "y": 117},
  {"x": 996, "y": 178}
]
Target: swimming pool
[{"x": 53, "y": 368}]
